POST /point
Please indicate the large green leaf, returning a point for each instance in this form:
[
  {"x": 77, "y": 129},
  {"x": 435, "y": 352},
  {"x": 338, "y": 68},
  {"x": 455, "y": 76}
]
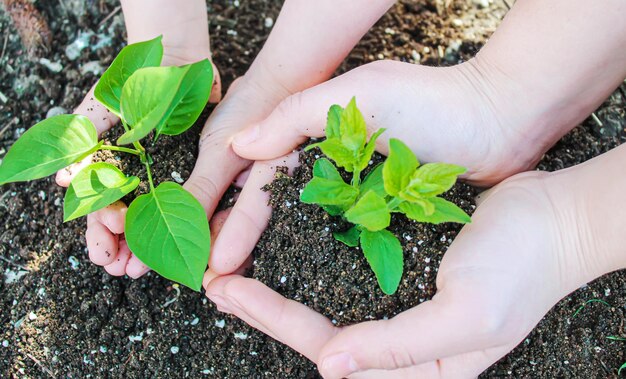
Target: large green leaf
[
  {"x": 95, "y": 187},
  {"x": 168, "y": 230},
  {"x": 168, "y": 99},
  {"x": 329, "y": 192},
  {"x": 384, "y": 254},
  {"x": 398, "y": 167},
  {"x": 370, "y": 212},
  {"x": 49, "y": 146},
  {"x": 133, "y": 57},
  {"x": 444, "y": 211}
]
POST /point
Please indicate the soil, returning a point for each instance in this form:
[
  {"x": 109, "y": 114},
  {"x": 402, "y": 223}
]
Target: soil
[{"x": 61, "y": 316}]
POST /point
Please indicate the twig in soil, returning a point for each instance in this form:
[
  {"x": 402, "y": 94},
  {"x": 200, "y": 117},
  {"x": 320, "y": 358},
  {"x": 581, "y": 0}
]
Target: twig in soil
[
  {"x": 3, "y": 97},
  {"x": 172, "y": 300},
  {"x": 506, "y": 3},
  {"x": 596, "y": 119},
  {"x": 4, "y": 46},
  {"x": 41, "y": 366},
  {"x": 107, "y": 18},
  {"x": 14, "y": 264},
  {"x": 6, "y": 127}
]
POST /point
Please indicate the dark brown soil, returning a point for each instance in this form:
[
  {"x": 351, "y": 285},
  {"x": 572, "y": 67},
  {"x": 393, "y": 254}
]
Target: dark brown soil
[{"x": 67, "y": 318}]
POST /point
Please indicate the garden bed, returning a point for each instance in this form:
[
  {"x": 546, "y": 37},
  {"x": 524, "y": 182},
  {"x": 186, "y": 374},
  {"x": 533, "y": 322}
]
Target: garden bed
[{"x": 61, "y": 316}]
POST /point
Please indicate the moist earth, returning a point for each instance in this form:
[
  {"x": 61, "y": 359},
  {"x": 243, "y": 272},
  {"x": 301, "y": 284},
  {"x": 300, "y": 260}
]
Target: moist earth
[{"x": 61, "y": 316}]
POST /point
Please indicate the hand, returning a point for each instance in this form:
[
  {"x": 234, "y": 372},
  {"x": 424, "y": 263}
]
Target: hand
[
  {"x": 185, "y": 40},
  {"x": 534, "y": 238}
]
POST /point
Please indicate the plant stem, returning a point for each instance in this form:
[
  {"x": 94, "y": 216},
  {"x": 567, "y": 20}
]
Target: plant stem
[
  {"x": 393, "y": 203},
  {"x": 121, "y": 149},
  {"x": 126, "y": 128},
  {"x": 145, "y": 162},
  {"x": 356, "y": 178}
]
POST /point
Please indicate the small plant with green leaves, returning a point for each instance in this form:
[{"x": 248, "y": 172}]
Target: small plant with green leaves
[
  {"x": 399, "y": 185},
  {"x": 167, "y": 228}
]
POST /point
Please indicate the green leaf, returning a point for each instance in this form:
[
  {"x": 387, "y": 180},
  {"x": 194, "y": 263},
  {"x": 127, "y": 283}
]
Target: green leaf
[
  {"x": 370, "y": 212},
  {"x": 168, "y": 99},
  {"x": 367, "y": 153},
  {"x": 352, "y": 128},
  {"x": 95, "y": 187},
  {"x": 108, "y": 91},
  {"x": 333, "y": 121},
  {"x": 400, "y": 164},
  {"x": 329, "y": 192},
  {"x": 168, "y": 230},
  {"x": 374, "y": 182},
  {"x": 49, "y": 146},
  {"x": 433, "y": 179},
  {"x": 335, "y": 150},
  {"x": 444, "y": 211},
  {"x": 323, "y": 168},
  {"x": 332, "y": 210},
  {"x": 350, "y": 237},
  {"x": 384, "y": 254},
  {"x": 623, "y": 366}
]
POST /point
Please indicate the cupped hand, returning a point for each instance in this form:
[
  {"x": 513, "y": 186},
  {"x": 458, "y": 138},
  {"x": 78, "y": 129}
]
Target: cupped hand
[
  {"x": 532, "y": 241},
  {"x": 184, "y": 41}
]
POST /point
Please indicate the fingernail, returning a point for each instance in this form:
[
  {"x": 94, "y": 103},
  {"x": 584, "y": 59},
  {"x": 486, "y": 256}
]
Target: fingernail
[
  {"x": 220, "y": 302},
  {"x": 247, "y": 136},
  {"x": 339, "y": 366}
]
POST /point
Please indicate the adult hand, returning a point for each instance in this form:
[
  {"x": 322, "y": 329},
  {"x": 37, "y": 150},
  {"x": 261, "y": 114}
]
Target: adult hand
[{"x": 534, "y": 238}]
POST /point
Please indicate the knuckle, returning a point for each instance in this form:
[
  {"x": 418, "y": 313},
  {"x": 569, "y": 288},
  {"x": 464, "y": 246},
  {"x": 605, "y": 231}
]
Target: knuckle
[
  {"x": 396, "y": 357},
  {"x": 203, "y": 188}
]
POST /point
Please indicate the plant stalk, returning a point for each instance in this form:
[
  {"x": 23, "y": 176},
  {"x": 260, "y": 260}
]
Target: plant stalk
[
  {"x": 393, "y": 204},
  {"x": 121, "y": 149}
]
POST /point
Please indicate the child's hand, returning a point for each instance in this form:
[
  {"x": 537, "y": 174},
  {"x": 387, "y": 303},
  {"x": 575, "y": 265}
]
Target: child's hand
[
  {"x": 185, "y": 40},
  {"x": 534, "y": 238}
]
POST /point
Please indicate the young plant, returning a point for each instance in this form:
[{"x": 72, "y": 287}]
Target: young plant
[
  {"x": 167, "y": 229},
  {"x": 399, "y": 185}
]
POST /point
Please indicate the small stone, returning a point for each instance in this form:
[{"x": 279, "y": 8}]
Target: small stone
[
  {"x": 32, "y": 316},
  {"x": 231, "y": 32},
  {"x": 380, "y": 56},
  {"x": 52, "y": 66},
  {"x": 220, "y": 323},
  {"x": 269, "y": 22},
  {"x": 55, "y": 111},
  {"x": 415, "y": 249},
  {"x": 176, "y": 176},
  {"x": 137, "y": 338},
  {"x": 174, "y": 349},
  {"x": 195, "y": 321},
  {"x": 73, "y": 262},
  {"x": 416, "y": 56},
  {"x": 240, "y": 335},
  {"x": 457, "y": 22},
  {"x": 5, "y": 343},
  {"x": 103, "y": 349},
  {"x": 390, "y": 31},
  {"x": 481, "y": 3},
  {"x": 93, "y": 66},
  {"x": 57, "y": 202},
  {"x": 74, "y": 49},
  {"x": 42, "y": 195},
  {"x": 283, "y": 279}
]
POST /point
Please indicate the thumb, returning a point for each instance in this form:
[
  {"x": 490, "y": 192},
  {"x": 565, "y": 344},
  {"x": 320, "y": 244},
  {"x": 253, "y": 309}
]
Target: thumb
[{"x": 295, "y": 119}]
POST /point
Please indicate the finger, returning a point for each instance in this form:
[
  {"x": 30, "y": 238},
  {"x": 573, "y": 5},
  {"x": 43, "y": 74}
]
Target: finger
[
  {"x": 214, "y": 172},
  {"x": 242, "y": 178},
  {"x": 216, "y": 90},
  {"x": 101, "y": 243},
  {"x": 64, "y": 176},
  {"x": 433, "y": 330},
  {"x": 118, "y": 266},
  {"x": 113, "y": 216},
  {"x": 287, "y": 321},
  {"x": 295, "y": 119},
  {"x": 248, "y": 218},
  {"x": 136, "y": 268},
  {"x": 468, "y": 365}
]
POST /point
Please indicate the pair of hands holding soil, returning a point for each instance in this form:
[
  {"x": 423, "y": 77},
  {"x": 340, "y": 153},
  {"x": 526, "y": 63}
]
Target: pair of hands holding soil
[{"x": 535, "y": 236}]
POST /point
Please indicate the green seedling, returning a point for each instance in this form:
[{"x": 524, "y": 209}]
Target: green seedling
[
  {"x": 167, "y": 229},
  {"x": 399, "y": 185}
]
